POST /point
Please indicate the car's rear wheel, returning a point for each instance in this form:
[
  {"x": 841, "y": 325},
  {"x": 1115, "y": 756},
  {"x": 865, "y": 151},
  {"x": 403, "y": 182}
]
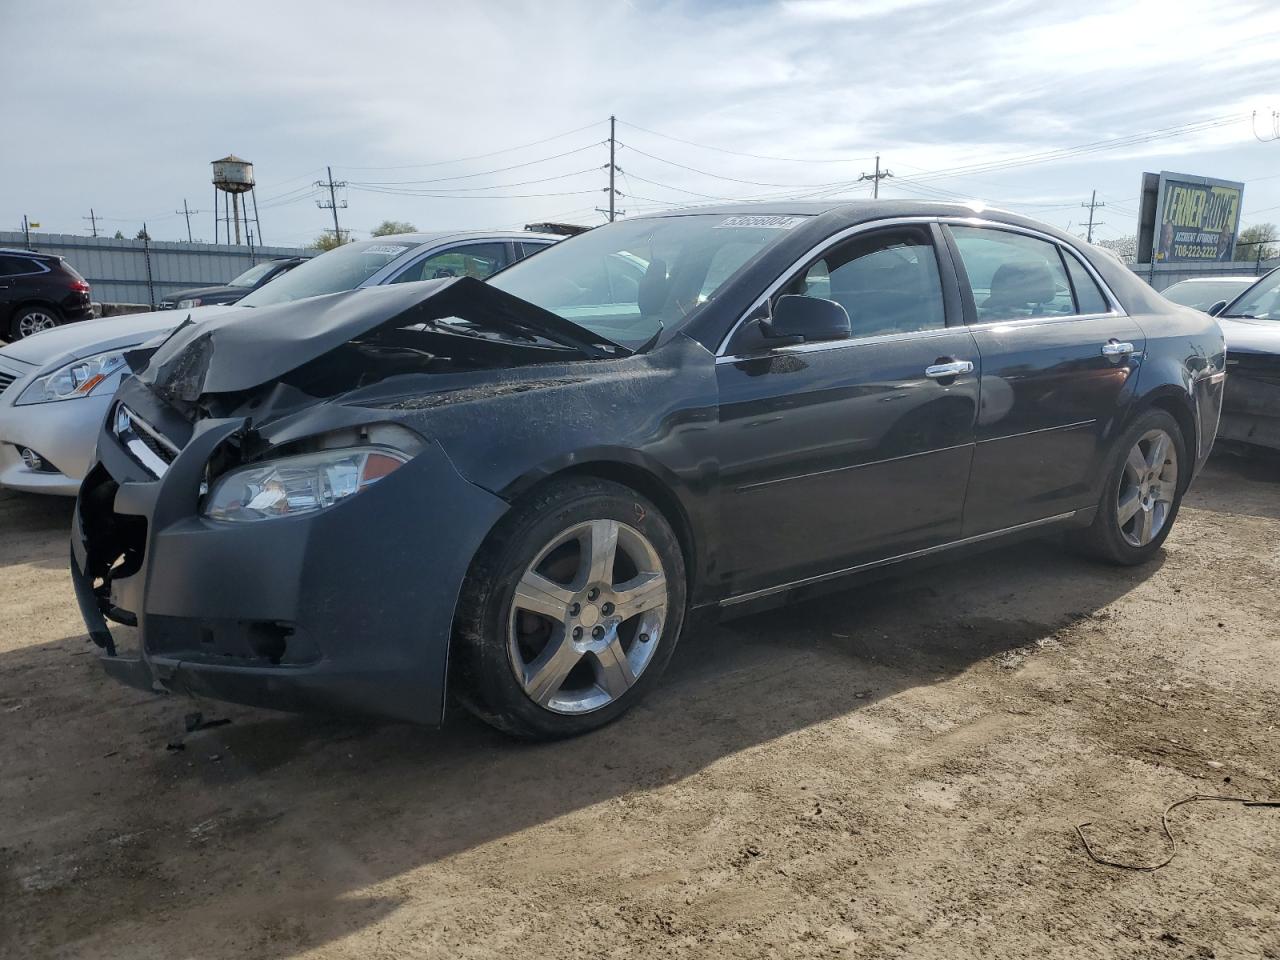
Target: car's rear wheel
[
  {"x": 570, "y": 612},
  {"x": 1143, "y": 491},
  {"x": 29, "y": 321}
]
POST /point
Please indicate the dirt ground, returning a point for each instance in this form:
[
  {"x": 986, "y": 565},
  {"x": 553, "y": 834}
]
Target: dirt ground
[{"x": 892, "y": 771}]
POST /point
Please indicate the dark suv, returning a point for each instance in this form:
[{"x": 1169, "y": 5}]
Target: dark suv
[{"x": 39, "y": 292}]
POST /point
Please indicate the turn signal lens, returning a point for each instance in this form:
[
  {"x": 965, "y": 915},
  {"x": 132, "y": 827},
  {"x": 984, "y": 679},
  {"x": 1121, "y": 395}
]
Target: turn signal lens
[{"x": 293, "y": 486}]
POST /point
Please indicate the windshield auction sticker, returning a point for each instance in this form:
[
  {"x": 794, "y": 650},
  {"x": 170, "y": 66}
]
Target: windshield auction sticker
[
  {"x": 385, "y": 249},
  {"x": 761, "y": 221}
]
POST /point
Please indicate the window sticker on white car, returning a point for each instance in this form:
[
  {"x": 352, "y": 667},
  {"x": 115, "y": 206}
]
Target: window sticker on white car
[{"x": 758, "y": 221}]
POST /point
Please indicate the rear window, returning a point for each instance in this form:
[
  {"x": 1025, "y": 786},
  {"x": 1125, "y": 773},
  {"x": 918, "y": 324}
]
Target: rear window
[{"x": 11, "y": 266}]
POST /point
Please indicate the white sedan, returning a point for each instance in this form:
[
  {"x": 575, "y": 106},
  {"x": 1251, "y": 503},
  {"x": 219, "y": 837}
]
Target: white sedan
[{"x": 56, "y": 386}]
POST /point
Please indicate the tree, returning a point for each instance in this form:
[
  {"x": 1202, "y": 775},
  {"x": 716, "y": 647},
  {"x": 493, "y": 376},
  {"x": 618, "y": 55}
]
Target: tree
[
  {"x": 388, "y": 227},
  {"x": 143, "y": 235},
  {"x": 1254, "y": 243},
  {"x": 119, "y": 235},
  {"x": 328, "y": 240}
]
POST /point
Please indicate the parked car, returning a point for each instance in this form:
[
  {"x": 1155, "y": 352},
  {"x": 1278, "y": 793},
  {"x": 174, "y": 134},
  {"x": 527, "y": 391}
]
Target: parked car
[
  {"x": 38, "y": 292},
  {"x": 1251, "y": 324},
  {"x": 232, "y": 291},
  {"x": 530, "y": 484},
  {"x": 1201, "y": 293},
  {"x": 46, "y": 440}
]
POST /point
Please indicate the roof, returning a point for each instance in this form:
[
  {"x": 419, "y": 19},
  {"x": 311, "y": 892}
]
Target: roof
[
  {"x": 20, "y": 252},
  {"x": 438, "y": 235},
  {"x": 855, "y": 209},
  {"x": 1228, "y": 277}
]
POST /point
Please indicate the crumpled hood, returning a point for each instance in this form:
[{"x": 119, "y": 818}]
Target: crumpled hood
[
  {"x": 1251, "y": 336},
  {"x": 246, "y": 348},
  {"x": 75, "y": 340}
]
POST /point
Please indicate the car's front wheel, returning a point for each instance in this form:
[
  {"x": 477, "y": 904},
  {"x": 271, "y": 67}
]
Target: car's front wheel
[
  {"x": 29, "y": 321},
  {"x": 1140, "y": 499},
  {"x": 571, "y": 610}
]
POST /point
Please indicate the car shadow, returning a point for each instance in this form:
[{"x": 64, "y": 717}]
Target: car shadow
[
  {"x": 1238, "y": 483},
  {"x": 396, "y": 798}
]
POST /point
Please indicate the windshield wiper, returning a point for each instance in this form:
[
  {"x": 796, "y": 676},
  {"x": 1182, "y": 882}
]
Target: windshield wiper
[{"x": 1238, "y": 316}]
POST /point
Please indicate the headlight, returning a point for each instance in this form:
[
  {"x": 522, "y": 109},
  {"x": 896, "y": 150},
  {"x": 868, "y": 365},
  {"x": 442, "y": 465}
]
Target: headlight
[
  {"x": 296, "y": 485},
  {"x": 77, "y": 379},
  {"x": 188, "y": 304}
]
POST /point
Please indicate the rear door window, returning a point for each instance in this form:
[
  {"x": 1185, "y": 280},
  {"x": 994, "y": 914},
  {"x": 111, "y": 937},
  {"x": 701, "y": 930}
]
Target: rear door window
[{"x": 1013, "y": 276}]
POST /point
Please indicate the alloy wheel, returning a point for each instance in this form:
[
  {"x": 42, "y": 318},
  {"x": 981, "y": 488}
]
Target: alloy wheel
[
  {"x": 34, "y": 322},
  {"x": 587, "y": 616},
  {"x": 1148, "y": 486}
]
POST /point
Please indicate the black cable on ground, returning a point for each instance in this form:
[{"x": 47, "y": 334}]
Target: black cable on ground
[{"x": 1164, "y": 822}]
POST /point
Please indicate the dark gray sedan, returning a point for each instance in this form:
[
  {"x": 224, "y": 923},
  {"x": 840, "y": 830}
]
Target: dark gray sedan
[{"x": 520, "y": 490}]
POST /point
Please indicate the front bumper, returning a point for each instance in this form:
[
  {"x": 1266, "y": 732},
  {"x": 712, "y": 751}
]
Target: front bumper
[
  {"x": 347, "y": 610},
  {"x": 63, "y": 433}
]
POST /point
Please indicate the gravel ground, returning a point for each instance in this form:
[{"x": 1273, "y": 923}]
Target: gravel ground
[{"x": 892, "y": 771}]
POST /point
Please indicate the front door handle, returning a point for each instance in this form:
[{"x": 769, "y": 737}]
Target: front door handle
[
  {"x": 952, "y": 368},
  {"x": 1114, "y": 348}
]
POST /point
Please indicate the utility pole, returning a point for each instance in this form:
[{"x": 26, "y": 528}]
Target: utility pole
[
  {"x": 613, "y": 167},
  {"x": 1093, "y": 204},
  {"x": 614, "y": 170},
  {"x": 187, "y": 213},
  {"x": 93, "y": 221},
  {"x": 333, "y": 201},
  {"x": 26, "y": 230},
  {"x": 875, "y": 178}
]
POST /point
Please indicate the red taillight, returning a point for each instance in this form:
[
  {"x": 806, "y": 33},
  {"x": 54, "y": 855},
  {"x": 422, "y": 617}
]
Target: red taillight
[{"x": 80, "y": 286}]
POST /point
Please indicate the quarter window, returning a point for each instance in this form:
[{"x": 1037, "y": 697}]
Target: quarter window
[
  {"x": 888, "y": 282},
  {"x": 1089, "y": 298},
  {"x": 479, "y": 260},
  {"x": 1013, "y": 276}
]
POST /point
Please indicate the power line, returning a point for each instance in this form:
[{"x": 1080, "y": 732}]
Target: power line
[
  {"x": 720, "y": 176},
  {"x": 479, "y": 156},
  {"x": 482, "y": 173},
  {"x": 736, "y": 153}
]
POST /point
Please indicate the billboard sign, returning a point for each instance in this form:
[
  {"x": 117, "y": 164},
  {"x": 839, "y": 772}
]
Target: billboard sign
[{"x": 1195, "y": 219}]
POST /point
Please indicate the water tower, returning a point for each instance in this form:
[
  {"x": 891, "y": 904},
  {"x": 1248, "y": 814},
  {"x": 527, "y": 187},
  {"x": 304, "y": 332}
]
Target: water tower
[{"x": 233, "y": 177}]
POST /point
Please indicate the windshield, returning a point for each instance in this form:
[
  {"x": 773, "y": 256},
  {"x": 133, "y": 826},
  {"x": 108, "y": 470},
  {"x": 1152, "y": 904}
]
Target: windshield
[
  {"x": 1203, "y": 294},
  {"x": 343, "y": 268},
  {"x": 251, "y": 276},
  {"x": 1259, "y": 302},
  {"x": 626, "y": 280}
]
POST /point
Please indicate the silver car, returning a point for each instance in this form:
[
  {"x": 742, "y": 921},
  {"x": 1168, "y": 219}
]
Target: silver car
[{"x": 55, "y": 387}]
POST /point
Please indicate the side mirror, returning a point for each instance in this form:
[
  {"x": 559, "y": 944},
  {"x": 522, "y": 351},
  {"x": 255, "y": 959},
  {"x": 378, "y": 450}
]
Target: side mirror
[
  {"x": 798, "y": 319},
  {"x": 1217, "y": 308}
]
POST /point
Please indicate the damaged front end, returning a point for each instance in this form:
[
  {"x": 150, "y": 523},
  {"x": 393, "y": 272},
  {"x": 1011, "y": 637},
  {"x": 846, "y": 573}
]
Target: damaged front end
[
  {"x": 1251, "y": 401},
  {"x": 254, "y": 533}
]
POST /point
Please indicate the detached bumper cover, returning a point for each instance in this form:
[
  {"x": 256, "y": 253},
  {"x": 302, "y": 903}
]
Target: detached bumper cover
[{"x": 347, "y": 610}]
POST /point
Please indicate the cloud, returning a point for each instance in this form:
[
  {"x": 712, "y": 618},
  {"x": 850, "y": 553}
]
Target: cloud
[{"x": 121, "y": 107}]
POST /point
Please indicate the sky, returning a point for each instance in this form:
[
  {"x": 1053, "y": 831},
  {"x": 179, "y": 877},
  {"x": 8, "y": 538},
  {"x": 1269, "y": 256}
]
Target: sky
[{"x": 458, "y": 115}]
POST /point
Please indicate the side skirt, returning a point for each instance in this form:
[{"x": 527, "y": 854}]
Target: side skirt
[{"x": 847, "y": 577}]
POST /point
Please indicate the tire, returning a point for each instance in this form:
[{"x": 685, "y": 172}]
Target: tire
[
  {"x": 1121, "y": 535},
  {"x": 30, "y": 320},
  {"x": 519, "y": 665}
]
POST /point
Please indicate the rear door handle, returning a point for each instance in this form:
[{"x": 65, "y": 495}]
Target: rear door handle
[
  {"x": 1114, "y": 348},
  {"x": 940, "y": 371}
]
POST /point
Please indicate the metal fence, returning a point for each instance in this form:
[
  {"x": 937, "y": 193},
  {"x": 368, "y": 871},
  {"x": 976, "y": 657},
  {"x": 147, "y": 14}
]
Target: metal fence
[
  {"x": 1162, "y": 275},
  {"x": 142, "y": 271}
]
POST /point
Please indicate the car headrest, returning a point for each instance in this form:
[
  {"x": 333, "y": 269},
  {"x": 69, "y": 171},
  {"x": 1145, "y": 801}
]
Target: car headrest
[
  {"x": 652, "y": 292},
  {"x": 1028, "y": 283}
]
